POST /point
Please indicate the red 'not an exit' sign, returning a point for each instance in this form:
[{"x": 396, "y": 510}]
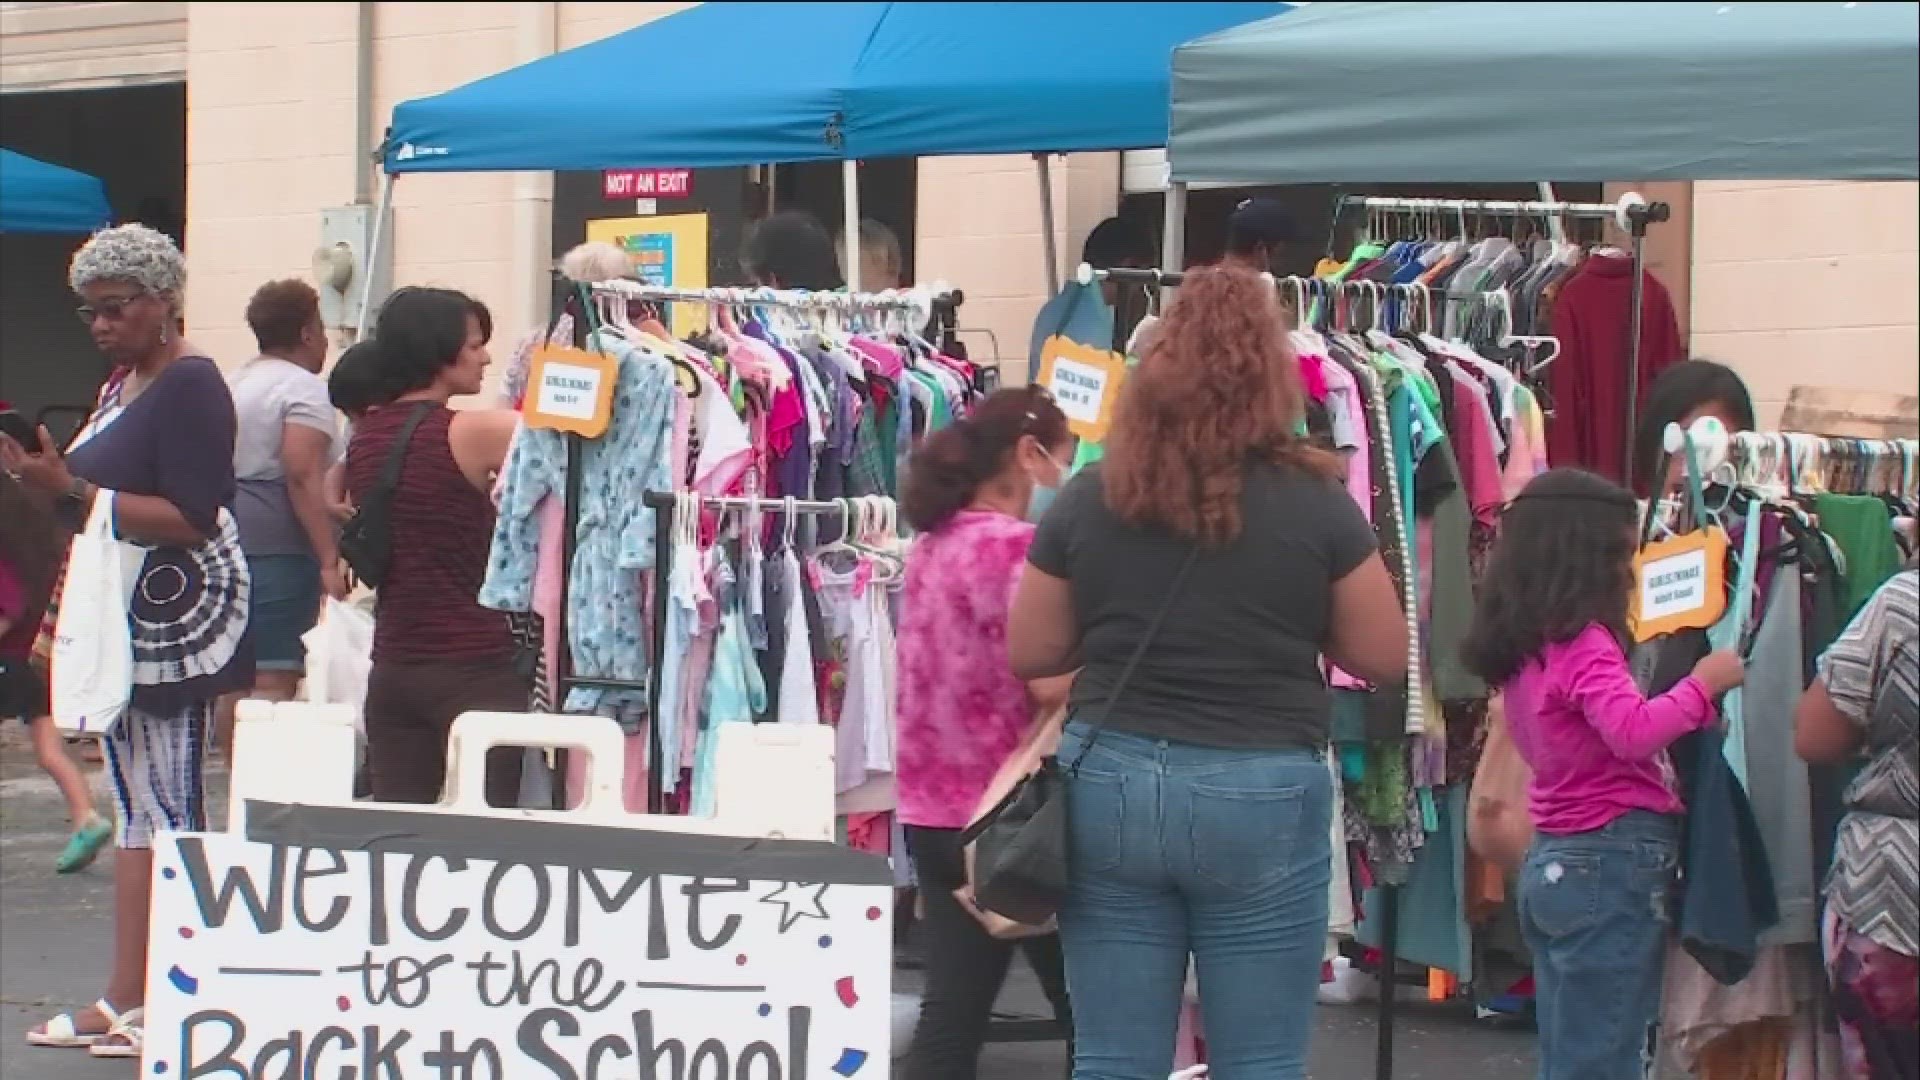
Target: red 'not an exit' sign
[{"x": 646, "y": 183}]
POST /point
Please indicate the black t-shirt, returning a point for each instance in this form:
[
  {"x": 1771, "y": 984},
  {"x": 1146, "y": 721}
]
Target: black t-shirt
[{"x": 1236, "y": 661}]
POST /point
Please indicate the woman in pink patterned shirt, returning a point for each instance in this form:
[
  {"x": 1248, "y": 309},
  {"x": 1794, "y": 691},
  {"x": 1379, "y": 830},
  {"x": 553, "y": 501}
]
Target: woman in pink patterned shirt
[{"x": 962, "y": 713}]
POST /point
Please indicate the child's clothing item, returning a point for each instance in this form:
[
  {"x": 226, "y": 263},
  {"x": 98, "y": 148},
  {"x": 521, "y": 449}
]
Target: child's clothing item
[{"x": 1597, "y": 747}]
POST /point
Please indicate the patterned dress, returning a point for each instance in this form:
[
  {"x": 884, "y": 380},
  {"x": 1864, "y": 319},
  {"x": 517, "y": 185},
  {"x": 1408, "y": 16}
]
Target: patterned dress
[{"x": 1873, "y": 676}]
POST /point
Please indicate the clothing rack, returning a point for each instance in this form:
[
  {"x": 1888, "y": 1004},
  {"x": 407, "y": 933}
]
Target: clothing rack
[
  {"x": 1632, "y": 214},
  {"x": 906, "y": 300},
  {"x": 664, "y": 504},
  {"x": 1831, "y": 463}
]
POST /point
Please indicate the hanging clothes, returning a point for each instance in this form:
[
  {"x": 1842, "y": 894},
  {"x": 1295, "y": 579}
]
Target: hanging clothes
[
  {"x": 606, "y": 624},
  {"x": 1589, "y": 378}
]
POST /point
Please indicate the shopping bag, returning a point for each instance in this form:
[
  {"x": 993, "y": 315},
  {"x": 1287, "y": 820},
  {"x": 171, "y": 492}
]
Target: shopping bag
[
  {"x": 90, "y": 676},
  {"x": 340, "y": 658},
  {"x": 1499, "y": 826},
  {"x": 1021, "y": 768}
]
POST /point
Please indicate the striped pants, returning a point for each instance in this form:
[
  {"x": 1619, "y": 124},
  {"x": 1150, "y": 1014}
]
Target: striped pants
[{"x": 157, "y": 766}]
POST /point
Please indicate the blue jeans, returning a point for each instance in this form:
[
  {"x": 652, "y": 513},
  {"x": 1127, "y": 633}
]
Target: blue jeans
[
  {"x": 1177, "y": 850},
  {"x": 1595, "y": 911}
]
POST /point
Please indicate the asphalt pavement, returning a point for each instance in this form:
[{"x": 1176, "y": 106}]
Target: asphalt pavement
[{"x": 54, "y": 946}]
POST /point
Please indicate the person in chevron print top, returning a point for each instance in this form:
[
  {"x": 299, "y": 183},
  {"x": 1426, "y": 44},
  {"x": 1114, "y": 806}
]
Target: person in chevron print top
[{"x": 1867, "y": 703}]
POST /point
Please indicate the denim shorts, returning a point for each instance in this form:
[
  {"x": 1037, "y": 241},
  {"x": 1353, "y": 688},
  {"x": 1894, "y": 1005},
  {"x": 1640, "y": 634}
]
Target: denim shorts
[{"x": 285, "y": 605}]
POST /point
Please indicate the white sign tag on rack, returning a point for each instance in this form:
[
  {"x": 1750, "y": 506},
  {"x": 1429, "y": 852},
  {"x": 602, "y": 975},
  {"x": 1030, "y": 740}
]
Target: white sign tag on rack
[
  {"x": 571, "y": 390},
  {"x": 1675, "y": 585},
  {"x": 1084, "y": 382},
  {"x": 356, "y": 941}
]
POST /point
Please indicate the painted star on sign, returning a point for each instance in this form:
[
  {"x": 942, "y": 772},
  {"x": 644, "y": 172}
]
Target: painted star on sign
[{"x": 798, "y": 900}]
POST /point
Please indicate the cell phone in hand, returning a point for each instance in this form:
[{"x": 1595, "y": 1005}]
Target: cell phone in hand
[{"x": 15, "y": 427}]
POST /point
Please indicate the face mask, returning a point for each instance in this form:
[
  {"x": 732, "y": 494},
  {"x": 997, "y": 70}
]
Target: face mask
[{"x": 1044, "y": 494}]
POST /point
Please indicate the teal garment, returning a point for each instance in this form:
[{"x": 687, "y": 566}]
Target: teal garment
[
  {"x": 1730, "y": 633},
  {"x": 736, "y": 693},
  {"x": 1079, "y": 313},
  {"x": 1863, "y": 529},
  {"x": 1433, "y": 918},
  {"x": 1400, "y": 416}
]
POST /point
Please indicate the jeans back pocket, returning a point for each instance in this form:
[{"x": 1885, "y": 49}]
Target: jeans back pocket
[
  {"x": 1245, "y": 838},
  {"x": 1096, "y": 817},
  {"x": 1561, "y": 892}
]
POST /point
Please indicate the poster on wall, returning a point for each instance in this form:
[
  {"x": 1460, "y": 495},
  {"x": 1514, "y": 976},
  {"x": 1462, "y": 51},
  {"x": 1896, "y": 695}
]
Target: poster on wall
[
  {"x": 667, "y": 250},
  {"x": 392, "y": 945}
]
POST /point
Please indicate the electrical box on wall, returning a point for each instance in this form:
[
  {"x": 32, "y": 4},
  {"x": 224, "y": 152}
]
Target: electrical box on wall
[{"x": 347, "y": 259}]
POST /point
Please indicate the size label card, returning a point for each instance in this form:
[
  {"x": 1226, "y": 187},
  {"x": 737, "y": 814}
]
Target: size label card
[
  {"x": 570, "y": 390},
  {"x": 1085, "y": 383},
  {"x": 1680, "y": 584}
]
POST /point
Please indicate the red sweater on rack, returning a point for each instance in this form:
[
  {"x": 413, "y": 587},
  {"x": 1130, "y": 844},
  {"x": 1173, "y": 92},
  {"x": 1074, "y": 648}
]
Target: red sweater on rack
[{"x": 1588, "y": 380}]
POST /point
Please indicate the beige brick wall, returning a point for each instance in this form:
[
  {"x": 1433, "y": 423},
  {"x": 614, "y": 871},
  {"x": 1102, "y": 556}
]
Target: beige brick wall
[
  {"x": 979, "y": 229},
  {"x": 270, "y": 144},
  {"x": 1808, "y": 283}
]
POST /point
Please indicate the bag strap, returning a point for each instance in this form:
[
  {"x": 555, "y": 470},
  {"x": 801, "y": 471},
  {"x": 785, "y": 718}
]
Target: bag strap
[
  {"x": 1133, "y": 662},
  {"x": 397, "y": 454}
]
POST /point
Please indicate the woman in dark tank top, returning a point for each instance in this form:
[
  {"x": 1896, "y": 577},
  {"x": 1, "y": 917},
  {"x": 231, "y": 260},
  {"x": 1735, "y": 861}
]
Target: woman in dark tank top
[{"x": 436, "y": 652}]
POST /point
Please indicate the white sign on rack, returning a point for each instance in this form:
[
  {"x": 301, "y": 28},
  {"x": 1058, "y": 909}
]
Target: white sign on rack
[{"x": 388, "y": 944}]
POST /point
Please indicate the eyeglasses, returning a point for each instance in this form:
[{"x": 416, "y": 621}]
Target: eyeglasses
[{"x": 113, "y": 308}]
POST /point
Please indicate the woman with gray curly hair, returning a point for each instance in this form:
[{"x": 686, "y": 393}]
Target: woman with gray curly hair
[{"x": 159, "y": 445}]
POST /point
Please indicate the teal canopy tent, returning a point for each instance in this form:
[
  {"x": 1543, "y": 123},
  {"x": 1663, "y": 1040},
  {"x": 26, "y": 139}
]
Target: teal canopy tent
[{"x": 1492, "y": 92}]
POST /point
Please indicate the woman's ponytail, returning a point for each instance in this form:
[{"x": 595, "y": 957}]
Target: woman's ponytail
[{"x": 948, "y": 467}]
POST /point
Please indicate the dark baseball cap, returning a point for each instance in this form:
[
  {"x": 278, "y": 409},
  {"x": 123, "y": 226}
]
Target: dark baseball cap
[{"x": 1263, "y": 220}]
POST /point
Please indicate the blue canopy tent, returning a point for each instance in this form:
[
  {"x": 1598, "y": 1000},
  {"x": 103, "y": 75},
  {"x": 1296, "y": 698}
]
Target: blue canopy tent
[
  {"x": 36, "y": 197},
  {"x": 735, "y": 84}
]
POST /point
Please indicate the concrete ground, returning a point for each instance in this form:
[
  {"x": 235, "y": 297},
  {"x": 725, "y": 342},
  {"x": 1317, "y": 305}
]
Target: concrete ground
[{"x": 54, "y": 951}]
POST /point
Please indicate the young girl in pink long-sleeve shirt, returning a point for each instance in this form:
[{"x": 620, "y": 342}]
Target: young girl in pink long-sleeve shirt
[{"x": 1550, "y": 632}]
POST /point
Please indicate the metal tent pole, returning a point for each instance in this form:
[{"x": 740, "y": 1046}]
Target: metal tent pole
[
  {"x": 850, "y": 193},
  {"x": 372, "y": 256},
  {"x": 1173, "y": 255},
  {"x": 1634, "y": 215},
  {"x": 1049, "y": 242}
]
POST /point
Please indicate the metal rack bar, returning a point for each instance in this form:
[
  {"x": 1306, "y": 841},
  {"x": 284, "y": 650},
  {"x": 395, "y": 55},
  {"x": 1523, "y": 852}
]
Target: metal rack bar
[
  {"x": 1498, "y": 207},
  {"x": 907, "y": 300}
]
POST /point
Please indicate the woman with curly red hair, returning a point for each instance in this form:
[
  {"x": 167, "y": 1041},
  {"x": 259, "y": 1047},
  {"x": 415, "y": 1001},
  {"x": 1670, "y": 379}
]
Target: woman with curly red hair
[{"x": 1195, "y": 578}]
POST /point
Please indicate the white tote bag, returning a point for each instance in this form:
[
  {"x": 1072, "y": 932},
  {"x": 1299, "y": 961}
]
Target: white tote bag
[
  {"x": 91, "y": 667},
  {"x": 340, "y": 657}
]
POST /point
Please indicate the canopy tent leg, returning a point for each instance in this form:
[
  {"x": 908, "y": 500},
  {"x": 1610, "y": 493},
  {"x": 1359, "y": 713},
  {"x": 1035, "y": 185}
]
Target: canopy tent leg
[
  {"x": 850, "y": 193},
  {"x": 1173, "y": 254},
  {"x": 1049, "y": 242},
  {"x": 372, "y": 257}
]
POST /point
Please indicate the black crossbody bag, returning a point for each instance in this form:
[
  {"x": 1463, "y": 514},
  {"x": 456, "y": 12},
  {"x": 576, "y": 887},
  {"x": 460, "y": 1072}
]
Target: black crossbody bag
[
  {"x": 1020, "y": 846},
  {"x": 366, "y": 540}
]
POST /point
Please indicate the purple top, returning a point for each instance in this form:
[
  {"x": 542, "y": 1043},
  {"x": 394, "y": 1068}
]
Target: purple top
[
  {"x": 175, "y": 442},
  {"x": 1596, "y": 746}
]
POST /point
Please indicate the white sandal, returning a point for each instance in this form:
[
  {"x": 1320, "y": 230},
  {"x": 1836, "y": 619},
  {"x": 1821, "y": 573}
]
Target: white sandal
[
  {"x": 61, "y": 1033},
  {"x": 126, "y": 1038}
]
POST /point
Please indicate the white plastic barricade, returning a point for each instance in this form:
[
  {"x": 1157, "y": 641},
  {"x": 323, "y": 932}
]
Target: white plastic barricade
[{"x": 321, "y": 937}]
